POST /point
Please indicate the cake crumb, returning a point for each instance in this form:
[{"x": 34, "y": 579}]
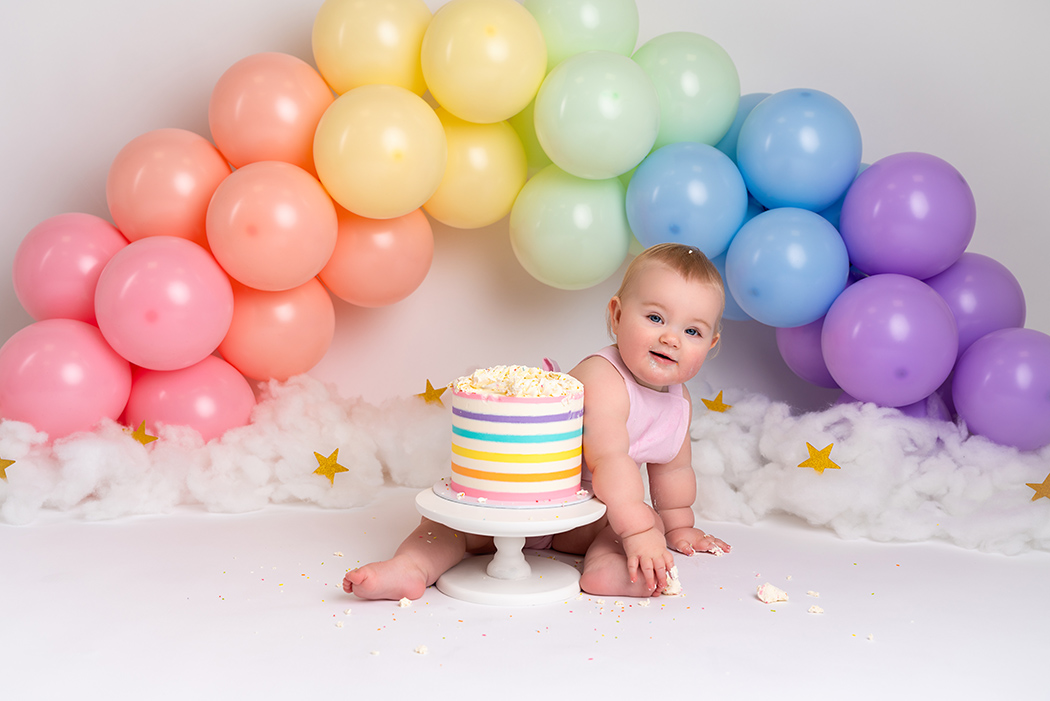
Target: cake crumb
[
  {"x": 338, "y": 624},
  {"x": 421, "y": 650},
  {"x": 482, "y": 500},
  {"x": 717, "y": 551},
  {"x": 337, "y": 554},
  {"x": 768, "y": 594},
  {"x": 374, "y": 653},
  {"x": 347, "y": 612},
  {"x": 644, "y": 603},
  {"x": 405, "y": 602},
  {"x": 815, "y": 609},
  {"x": 673, "y": 586},
  {"x": 814, "y": 594},
  {"x": 871, "y": 637}
]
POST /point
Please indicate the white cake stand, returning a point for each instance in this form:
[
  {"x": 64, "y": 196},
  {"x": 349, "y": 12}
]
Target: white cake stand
[{"x": 505, "y": 578}]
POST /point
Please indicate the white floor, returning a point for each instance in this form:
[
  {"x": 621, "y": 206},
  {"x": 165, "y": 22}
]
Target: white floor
[{"x": 195, "y": 605}]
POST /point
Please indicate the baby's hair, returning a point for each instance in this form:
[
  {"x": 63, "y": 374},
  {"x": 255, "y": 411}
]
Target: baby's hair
[{"x": 687, "y": 261}]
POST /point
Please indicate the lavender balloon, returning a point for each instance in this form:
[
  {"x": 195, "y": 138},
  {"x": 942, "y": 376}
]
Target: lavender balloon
[
  {"x": 909, "y": 213},
  {"x": 1002, "y": 388},
  {"x": 800, "y": 349},
  {"x": 983, "y": 295},
  {"x": 889, "y": 339},
  {"x": 932, "y": 407}
]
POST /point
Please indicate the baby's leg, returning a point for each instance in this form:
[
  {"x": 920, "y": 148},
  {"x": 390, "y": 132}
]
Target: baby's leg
[{"x": 424, "y": 556}]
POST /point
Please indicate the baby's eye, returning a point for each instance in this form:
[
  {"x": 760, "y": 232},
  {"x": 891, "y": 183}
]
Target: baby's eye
[
  {"x": 655, "y": 318},
  {"x": 692, "y": 332}
]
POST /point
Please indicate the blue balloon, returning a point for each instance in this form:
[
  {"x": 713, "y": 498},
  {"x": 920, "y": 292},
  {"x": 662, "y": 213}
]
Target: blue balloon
[
  {"x": 747, "y": 103},
  {"x": 687, "y": 193},
  {"x": 799, "y": 148},
  {"x": 733, "y": 310},
  {"x": 786, "y": 266},
  {"x": 834, "y": 213}
]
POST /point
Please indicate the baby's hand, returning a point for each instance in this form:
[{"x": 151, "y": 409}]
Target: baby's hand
[
  {"x": 692, "y": 540},
  {"x": 647, "y": 552}
]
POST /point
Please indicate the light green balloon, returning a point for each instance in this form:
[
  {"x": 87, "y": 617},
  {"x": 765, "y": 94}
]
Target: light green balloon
[
  {"x": 698, "y": 85},
  {"x": 569, "y": 232},
  {"x": 597, "y": 115},
  {"x": 524, "y": 125},
  {"x": 573, "y": 26}
]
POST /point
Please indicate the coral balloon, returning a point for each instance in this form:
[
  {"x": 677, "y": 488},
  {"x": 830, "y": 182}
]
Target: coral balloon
[
  {"x": 380, "y": 151},
  {"x": 697, "y": 83},
  {"x": 597, "y": 115},
  {"x": 369, "y": 42},
  {"x": 483, "y": 60},
  {"x": 569, "y": 232},
  {"x": 889, "y": 339},
  {"x": 379, "y": 261},
  {"x": 909, "y": 213},
  {"x": 61, "y": 376},
  {"x": 1002, "y": 388},
  {"x": 57, "y": 265},
  {"x": 786, "y": 266},
  {"x": 571, "y": 27},
  {"x": 210, "y": 397},
  {"x": 160, "y": 184},
  {"x": 265, "y": 108},
  {"x": 163, "y": 303},
  {"x": 799, "y": 148},
  {"x": 800, "y": 348},
  {"x": 983, "y": 295},
  {"x": 271, "y": 226},
  {"x": 485, "y": 171},
  {"x": 275, "y": 335}
]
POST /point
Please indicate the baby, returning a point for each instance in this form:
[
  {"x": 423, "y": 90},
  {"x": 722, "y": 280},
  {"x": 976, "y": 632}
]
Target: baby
[{"x": 665, "y": 318}]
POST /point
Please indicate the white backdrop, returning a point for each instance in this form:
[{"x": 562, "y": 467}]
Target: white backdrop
[{"x": 961, "y": 79}]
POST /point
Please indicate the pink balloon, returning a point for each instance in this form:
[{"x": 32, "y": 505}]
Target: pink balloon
[
  {"x": 57, "y": 265},
  {"x": 271, "y": 226},
  {"x": 275, "y": 335},
  {"x": 160, "y": 184},
  {"x": 163, "y": 303},
  {"x": 266, "y": 107},
  {"x": 210, "y": 397},
  {"x": 60, "y": 376}
]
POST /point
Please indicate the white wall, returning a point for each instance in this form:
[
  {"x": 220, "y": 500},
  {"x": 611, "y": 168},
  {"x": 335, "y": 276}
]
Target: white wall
[{"x": 964, "y": 80}]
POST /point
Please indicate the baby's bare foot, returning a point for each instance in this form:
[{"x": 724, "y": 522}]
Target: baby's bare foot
[{"x": 390, "y": 579}]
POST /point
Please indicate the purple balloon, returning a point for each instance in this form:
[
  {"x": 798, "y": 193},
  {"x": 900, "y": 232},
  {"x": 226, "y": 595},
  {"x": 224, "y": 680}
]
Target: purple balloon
[
  {"x": 1002, "y": 388},
  {"x": 799, "y": 346},
  {"x": 983, "y": 295},
  {"x": 889, "y": 339},
  {"x": 932, "y": 407},
  {"x": 909, "y": 213}
]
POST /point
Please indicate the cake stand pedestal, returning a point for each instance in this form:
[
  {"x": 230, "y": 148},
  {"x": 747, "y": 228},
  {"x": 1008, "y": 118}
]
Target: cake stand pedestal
[{"x": 506, "y": 578}]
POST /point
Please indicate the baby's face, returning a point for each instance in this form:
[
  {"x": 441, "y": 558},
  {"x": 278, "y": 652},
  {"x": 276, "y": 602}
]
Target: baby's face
[{"x": 665, "y": 326}]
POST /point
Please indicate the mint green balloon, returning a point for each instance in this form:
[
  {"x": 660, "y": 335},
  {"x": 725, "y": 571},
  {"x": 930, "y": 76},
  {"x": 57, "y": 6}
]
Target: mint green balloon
[
  {"x": 597, "y": 115},
  {"x": 571, "y": 27},
  {"x": 524, "y": 124},
  {"x": 569, "y": 232},
  {"x": 698, "y": 85}
]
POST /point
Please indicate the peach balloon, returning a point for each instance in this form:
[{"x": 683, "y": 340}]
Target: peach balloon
[
  {"x": 266, "y": 107},
  {"x": 160, "y": 184},
  {"x": 271, "y": 225},
  {"x": 368, "y": 42},
  {"x": 486, "y": 170},
  {"x": 275, "y": 335},
  {"x": 380, "y": 151},
  {"x": 379, "y": 261},
  {"x": 483, "y": 60}
]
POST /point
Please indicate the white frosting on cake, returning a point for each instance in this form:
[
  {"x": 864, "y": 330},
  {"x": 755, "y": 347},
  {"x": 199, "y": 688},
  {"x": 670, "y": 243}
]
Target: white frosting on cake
[{"x": 518, "y": 381}]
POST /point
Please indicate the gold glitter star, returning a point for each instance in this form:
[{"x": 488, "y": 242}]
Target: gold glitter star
[
  {"x": 329, "y": 466},
  {"x": 141, "y": 436},
  {"x": 819, "y": 460},
  {"x": 716, "y": 404},
  {"x": 432, "y": 396},
  {"x": 4, "y": 464},
  {"x": 1041, "y": 490}
]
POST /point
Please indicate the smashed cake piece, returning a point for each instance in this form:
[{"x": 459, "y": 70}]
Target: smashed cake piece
[
  {"x": 404, "y": 602},
  {"x": 768, "y": 594},
  {"x": 717, "y": 551},
  {"x": 815, "y": 609},
  {"x": 673, "y": 587}
]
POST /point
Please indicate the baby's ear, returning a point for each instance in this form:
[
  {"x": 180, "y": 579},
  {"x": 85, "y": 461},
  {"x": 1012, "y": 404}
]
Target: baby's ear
[{"x": 613, "y": 312}]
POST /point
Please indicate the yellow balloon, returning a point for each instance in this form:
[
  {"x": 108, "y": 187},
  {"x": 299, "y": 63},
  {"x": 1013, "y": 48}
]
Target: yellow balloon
[
  {"x": 486, "y": 169},
  {"x": 368, "y": 42},
  {"x": 483, "y": 60},
  {"x": 380, "y": 151}
]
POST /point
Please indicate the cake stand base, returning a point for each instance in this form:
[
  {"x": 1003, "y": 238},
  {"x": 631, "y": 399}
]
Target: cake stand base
[{"x": 549, "y": 582}]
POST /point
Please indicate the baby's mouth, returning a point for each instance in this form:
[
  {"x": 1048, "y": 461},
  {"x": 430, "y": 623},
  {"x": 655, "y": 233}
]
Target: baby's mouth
[{"x": 664, "y": 358}]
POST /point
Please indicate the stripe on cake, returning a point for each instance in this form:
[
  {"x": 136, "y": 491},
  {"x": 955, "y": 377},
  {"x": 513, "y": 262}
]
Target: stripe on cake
[
  {"x": 501, "y": 418},
  {"x": 539, "y": 497},
  {"x": 515, "y": 457},
  {"x": 508, "y": 438},
  {"x": 462, "y": 471}
]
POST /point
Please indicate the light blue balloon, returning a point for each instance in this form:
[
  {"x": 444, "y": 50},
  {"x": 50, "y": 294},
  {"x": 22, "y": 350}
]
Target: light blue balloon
[
  {"x": 733, "y": 310},
  {"x": 799, "y": 148},
  {"x": 747, "y": 103},
  {"x": 687, "y": 193},
  {"x": 834, "y": 213},
  {"x": 786, "y": 266}
]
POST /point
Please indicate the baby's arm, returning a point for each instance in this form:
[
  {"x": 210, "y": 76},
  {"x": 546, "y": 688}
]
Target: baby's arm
[
  {"x": 672, "y": 487},
  {"x": 616, "y": 478}
]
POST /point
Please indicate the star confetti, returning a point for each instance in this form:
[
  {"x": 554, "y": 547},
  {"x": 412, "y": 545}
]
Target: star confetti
[
  {"x": 141, "y": 436},
  {"x": 716, "y": 404},
  {"x": 819, "y": 460},
  {"x": 431, "y": 395},
  {"x": 329, "y": 466},
  {"x": 1041, "y": 490},
  {"x": 4, "y": 464}
]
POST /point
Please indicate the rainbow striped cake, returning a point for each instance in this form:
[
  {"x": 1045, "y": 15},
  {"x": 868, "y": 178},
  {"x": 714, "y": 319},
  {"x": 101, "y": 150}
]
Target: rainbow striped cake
[{"x": 517, "y": 437}]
